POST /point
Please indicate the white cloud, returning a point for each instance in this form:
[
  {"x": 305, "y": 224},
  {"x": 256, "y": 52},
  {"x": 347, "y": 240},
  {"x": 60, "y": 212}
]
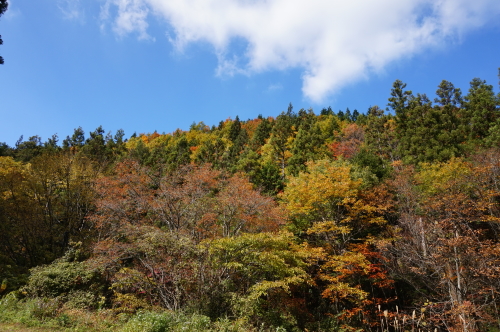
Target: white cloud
[
  {"x": 334, "y": 42},
  {"x": 130, "y": 17},
  {"x": 71, "y": 10}
]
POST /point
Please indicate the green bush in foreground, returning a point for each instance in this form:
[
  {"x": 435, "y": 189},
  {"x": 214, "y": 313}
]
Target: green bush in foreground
[
  {"x": 48, "y": 313},
  {"x": 68, "y": 281},
  {"x": 160, "y": 322}
]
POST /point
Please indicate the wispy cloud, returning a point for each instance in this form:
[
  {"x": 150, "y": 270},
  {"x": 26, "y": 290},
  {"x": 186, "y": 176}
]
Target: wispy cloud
[
  {"x": 275, "y": 87},
  {"x": 335, "y": 43},
  {"x": 71, "y": 10},
  {"x": 131, "y": 17}
]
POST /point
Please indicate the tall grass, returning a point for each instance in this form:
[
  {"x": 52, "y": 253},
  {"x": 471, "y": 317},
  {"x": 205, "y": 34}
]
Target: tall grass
[
  {"x": 52, "y": 314},
  {"x": 401, "y": 322}
]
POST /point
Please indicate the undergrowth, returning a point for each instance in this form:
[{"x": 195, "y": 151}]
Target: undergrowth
[{"x": 52, "y": 314}]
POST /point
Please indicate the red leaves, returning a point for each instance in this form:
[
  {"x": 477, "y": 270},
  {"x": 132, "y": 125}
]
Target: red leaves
[
  {"x": 445, "y": 241},
  {"x": 151, "y": 226},
  {"x": 350, "y": 141},
  {"x": 195, "y": 201}
]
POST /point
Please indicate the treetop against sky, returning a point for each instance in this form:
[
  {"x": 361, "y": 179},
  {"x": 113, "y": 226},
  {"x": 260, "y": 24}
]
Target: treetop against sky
[{"x": 146, "y": 65}]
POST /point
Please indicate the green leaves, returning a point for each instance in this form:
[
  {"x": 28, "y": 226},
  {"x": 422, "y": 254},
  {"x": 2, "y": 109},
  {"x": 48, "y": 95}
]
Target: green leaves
[{"x": 258, "y": 265}]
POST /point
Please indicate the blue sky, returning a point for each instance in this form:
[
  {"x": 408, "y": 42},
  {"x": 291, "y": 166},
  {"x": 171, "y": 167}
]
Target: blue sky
[{"x": 146, "y": 65}]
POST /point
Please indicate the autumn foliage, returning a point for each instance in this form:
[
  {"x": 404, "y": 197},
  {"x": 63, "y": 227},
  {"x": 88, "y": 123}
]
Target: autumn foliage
[{"x": 384, "y": 221}]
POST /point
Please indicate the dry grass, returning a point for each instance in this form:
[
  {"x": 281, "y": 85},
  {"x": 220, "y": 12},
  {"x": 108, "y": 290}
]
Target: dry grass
[{"x": 12, "y": 327}]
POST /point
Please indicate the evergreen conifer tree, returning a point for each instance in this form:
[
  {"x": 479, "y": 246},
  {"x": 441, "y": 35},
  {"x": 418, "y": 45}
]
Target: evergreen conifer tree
[{"x": 3, "y": 7}]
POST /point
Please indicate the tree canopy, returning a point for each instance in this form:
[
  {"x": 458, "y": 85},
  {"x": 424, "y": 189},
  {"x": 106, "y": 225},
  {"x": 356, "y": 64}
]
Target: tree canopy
[
  {"x": 3, "y": 8},
  {"x": 342, "y": 221}
]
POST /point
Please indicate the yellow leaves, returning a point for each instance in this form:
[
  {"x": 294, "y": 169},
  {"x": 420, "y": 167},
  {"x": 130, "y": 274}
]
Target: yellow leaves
[
  {"x": 342, "y": 290},
  {"x": 266, "y": 152},
  {"x": 128, "y": 303},
  {"x": 337, "y": 271},
  {"x": 328, "y": 125},
  {"x": 7, "y": 165},
  {"x": 439, "y": 177},
  {"x": 347, "y": 263},
  {"x": 328, "y": 227},
  {"x": 329, "y": 200},
  {"x": 263, "y": 287},
  {"x": 338, "y": 215},
  {"x": 12, "y": 175},
  {"x": 160, "y": 141},
  {"x": 132, "y": 143},
  {"x": 325, "y": 183}
]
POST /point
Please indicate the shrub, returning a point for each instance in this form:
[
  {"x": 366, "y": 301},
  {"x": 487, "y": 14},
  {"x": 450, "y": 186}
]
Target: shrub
[
  {"x": 75, "y": 283},
  {"x": 43, "y": 308},
  {"x": 149, "y": 322}
]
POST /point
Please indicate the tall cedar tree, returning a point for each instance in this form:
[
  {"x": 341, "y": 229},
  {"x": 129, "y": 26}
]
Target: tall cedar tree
[
  {"x": 307, "y": 145},
  {"x": 427, "y": 132},
  {"x": 480, "y": 111},
  {"x": 282, "y": 133},
  {"x": 380, "y": 133}
]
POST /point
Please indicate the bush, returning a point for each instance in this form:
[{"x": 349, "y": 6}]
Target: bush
[
  {"x": 8, "y": 305},
  {"x": 150, "y": 322},
  {"x": 74, "y": 283},
  {"x": 43, "y": 308},
  {"x": 128, "y": 303},
  {"x": 11, "y": 278}
]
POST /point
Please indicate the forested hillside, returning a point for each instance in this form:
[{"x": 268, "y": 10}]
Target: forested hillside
[{"x": 384, "y": 220}]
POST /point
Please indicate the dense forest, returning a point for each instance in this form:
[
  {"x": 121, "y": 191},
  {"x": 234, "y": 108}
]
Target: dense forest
[{"x": 384, "y": 220}]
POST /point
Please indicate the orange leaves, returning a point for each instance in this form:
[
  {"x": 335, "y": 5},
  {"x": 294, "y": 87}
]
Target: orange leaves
[
  {"x": 195, "y": 201},
  {"x": 148, "y": 138},
  {"x": 123, "y": 198},
  {"x": 251, "y": 125},
  {"x": 155, "y": 227},
  {"x": 447, "y": 241},
  {"x": 351, "y": 139},
  {"x": 328, "y": 207},
  {"x": 242, "y": 209},
  {"x": 338, "y": 270}
]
